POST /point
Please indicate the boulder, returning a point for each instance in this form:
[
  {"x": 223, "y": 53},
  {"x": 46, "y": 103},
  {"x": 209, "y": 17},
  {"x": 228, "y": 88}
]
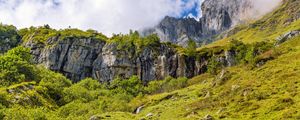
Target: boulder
[{"x": 283, "y": 38}]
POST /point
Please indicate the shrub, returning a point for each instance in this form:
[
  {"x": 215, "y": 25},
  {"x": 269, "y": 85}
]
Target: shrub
[
  {"x": 55, "y": 83},
  {"x": 166, "y": 85},
  {"x": 213, "y": 65},
  {"x": 132, "y": 86},
  {"x": 15, "y": 67},
  {"x": 22, "y": 113},
  {"x": 8, "y": 32},
  {"x": 85, "y": 90},
  {"x": 191, "y": 48}
]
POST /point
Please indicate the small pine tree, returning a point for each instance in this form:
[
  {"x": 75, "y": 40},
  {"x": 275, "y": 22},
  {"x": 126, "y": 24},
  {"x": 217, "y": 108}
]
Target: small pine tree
[{"x": 191, "y": 48}]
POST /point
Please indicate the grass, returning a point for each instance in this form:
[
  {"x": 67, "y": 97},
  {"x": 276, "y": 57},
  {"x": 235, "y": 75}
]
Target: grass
[
  {"x": 267, "y": 28},
  {"x": 267, "y": 92}
]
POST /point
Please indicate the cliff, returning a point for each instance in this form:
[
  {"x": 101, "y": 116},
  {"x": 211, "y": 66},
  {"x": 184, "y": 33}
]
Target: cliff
[{"x": 79, "y": 58}]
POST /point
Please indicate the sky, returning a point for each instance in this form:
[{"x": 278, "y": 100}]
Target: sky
[{"x": 106, "y": 16}]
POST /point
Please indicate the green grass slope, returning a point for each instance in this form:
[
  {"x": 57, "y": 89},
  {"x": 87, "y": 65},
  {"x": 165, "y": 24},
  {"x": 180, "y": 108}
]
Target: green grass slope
[
  {"x": 262, "y": 87},
  {"x": 267, "y": 91},
  {"x": 271, "y": 91},
  {"x": 268, "y": 28}
]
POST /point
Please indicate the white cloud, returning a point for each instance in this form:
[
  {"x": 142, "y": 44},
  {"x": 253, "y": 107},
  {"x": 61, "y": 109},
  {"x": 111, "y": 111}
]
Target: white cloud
[{"x": 107, "y": 16}]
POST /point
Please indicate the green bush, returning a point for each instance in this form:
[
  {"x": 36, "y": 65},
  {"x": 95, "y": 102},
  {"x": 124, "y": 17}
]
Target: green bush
[
  {"x": 22, "y": 113},
  {"x": 8, "y": 32},
  {"x": 55, "y": 84},
  {"x": 134, "y": 41},
  {"x": 15, "y": 67},
  {"x": 166, "y": 85},
  {"x": 191, "y": 48},
  {"x": 132, "y": 86},
  {"x": 213, "y": 65}
]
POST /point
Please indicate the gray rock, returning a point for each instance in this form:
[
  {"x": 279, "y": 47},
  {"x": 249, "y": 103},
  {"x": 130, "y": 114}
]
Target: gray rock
[
  {"x": 286, "y": 36},
  {"x": 79, "y": 58},
  {"x": 96, "y": 117},
  {"x": 149, "y": 115},
  {"x": 208, "y": 117},
  {"x": 230, "y": 58}
]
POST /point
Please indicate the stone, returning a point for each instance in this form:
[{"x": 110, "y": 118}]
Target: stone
[
  {"x": 149, "y": 115},
  {"x": 139, "y": 109},
  {"x": 208, "y": 117},
  {"x": 96, "y": 117},
  {"x": 283, "y": 38},
  {"x": 230, "y": 58}
]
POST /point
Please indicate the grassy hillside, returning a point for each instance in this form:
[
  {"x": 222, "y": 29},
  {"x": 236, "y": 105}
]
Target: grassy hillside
[
  {"x": 263, "y": 87},
  {"x": 268, "y": 28},
  {"x": 267, "y": 92}
]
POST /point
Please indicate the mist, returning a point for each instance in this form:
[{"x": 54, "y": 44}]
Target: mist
[{"x": 259, "y": 8}]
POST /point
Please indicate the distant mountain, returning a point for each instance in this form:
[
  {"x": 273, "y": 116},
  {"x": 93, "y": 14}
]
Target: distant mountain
[
  {"x": 217, "y": 17},
  {"x": 177, "y": 30}
]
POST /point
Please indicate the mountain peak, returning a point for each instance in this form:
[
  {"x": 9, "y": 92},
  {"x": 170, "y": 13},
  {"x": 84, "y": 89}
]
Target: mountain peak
[{"x": 217, "y": 17}]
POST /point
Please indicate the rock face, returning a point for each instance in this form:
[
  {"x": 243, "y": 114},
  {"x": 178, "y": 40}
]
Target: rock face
[
  {"x": 79, "y": 58},
  {"x": 217, "y": 17}
]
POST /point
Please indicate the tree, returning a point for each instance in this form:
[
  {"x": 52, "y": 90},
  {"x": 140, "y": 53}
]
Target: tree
[
  {"x": 191, "y": 48},
  {"x": 15, "y": 67}
]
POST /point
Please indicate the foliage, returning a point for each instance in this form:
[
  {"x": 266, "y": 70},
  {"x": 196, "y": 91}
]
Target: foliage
[
  {"x": 191, "y": 48},
  {"x": 214, "y": 65},
  {"x": 8, "y": 36},
  {"x": 132, "y": 86},
  {"x": 15, "y": 67},
  {"x": 166, "y": 85},
  {"x": 267, "y": 91},
  {"x": 55, "y": 84},
  {"x": 43, "y": 33},
  {"x": 134, "y": 41}
]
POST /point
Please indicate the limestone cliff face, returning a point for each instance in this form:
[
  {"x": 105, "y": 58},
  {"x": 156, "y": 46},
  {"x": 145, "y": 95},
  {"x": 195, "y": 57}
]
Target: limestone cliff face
[{"x": 79, "y": 58}]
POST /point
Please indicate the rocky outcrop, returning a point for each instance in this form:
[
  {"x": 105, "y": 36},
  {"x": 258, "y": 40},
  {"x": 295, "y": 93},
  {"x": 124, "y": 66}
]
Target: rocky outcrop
[
  {"x": 74, "y": 57},
  {"x": 79, "y": 58},
  {"x": 287, "y": 36}
]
